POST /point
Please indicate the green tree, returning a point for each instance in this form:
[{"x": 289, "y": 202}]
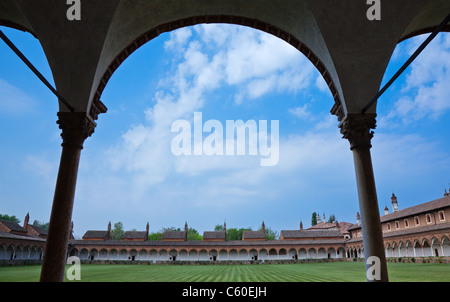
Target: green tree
[
  {"x": 314, "y": 219},
  {"x": 218, "y": 228},
  {"x": 155, "y": 236},
  {"x": 9, "y": 218},
  {"x": 193, "y": 234},
  {"x": 41, "y": 224},
  {"x": 235, "y": 234},
  {"x": 332, "y": 218},
  {"x": 117, "y": 232},
  {"x": 270, "y": 234}
]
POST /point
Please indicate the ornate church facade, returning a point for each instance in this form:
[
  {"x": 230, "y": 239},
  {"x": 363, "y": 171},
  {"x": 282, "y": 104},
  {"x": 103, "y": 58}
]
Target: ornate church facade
[{"x": 421, "y": 231}]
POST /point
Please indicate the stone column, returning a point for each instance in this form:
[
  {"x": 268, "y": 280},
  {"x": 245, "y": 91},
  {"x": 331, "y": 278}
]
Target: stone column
[
  {"x": 76, "y": 127},
  {"x": 357, "y": 129}
]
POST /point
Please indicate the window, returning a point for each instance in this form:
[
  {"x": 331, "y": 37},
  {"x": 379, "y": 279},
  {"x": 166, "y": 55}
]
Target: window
[
  {"x": 388, "y": 226},
  {"x": 406, "y": 223},
  {"x": 417, "y": 221},
  {"x": 428, "y": 217},
  {"x": 397, "y": 225},
  {"x": 441, "y": 216}
]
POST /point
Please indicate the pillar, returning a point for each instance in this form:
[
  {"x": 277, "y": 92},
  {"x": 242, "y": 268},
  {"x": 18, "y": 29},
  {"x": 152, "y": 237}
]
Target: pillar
[
  {"x": 357, "y": 129},
  {"x": 76, "y": 127}
]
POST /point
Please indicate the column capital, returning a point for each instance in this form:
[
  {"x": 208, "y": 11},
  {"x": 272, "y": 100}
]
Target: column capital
[
  {"x": 357, "y": 129},
  {"x": 76, "y": 128}
]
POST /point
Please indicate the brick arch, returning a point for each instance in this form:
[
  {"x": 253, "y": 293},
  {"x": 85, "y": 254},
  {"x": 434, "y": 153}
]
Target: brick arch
[{"x": 224, "y": 19}]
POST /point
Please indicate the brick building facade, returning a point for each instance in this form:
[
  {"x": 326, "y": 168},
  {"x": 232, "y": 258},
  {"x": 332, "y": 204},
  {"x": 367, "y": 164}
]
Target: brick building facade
[{"x": 418, "y": 231}]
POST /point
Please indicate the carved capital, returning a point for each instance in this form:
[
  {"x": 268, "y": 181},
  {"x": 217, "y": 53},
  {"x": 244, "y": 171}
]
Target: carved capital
[
  {"x": 357, "y": 128},
  {"x": 76, "y": 127}
]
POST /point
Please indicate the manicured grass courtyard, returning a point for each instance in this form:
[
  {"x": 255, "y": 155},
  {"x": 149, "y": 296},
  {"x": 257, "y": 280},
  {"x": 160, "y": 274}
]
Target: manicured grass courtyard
[{"x": 304, "y": 272}]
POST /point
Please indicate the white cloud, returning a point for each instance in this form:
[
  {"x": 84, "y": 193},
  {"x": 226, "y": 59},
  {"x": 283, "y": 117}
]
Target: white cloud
[
  {"x": 426, "y": 91},
  {"x": 143, "y": 167},
  {"x": 42, "y": 167},
  {"x": 178, "y": 39},
  {"x": 13, "y": 100},
  {"x": 301, "y": 112},
  {"x": 247, "y": 61}
]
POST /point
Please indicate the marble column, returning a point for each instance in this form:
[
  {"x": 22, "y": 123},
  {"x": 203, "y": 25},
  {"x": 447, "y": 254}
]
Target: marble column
[
  {"x": 76, "y": 127},
  {"x": 357, "y": 129}
]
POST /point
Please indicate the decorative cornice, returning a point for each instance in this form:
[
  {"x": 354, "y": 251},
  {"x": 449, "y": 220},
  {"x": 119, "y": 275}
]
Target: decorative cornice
[
  {"x": 357, "y": 129},
  {"x": 97, "y": 107},
  {"x": 76, "y": 127}
]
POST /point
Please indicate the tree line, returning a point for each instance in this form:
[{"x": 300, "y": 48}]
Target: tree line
[
  {"x": 17, "y": 220},
  {"x": 117, "y": 233}
]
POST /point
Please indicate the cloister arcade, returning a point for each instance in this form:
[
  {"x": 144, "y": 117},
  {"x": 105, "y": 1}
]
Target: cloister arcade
[
  {"x": 20, "y": 252},
  {"x": 207, "y": 254},
  {"x": 435, "y": 246}
]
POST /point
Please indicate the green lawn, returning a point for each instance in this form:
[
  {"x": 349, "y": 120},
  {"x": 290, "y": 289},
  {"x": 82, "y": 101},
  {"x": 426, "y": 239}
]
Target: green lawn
[{"x": 305, "y": 272}]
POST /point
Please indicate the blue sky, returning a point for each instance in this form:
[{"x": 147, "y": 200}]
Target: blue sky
[{"x": 129, "y": 174}]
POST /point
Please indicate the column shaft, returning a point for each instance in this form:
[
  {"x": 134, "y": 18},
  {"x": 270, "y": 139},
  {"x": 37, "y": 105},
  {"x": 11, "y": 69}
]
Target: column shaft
[
  {"x": 368, "y": 206},
  {"x": 357, "y": 129},
  {"x": 76, "y": 127},
  {"x": 61, "y": 216}
]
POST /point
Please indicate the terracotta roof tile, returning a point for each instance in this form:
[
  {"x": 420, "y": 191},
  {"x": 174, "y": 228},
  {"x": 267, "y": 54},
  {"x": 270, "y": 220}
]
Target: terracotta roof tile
[
  {"x": 421, "y": 208},
  {"x": 253, "y": 235},
  {"x": 214, "y": 235}
]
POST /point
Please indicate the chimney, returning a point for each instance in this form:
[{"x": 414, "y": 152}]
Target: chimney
[
  {"x": 108, "y": 235},
  {"x": 147, "y": 229},
  {"x": 301, "y": 225},
  {"x": 358, "y": 218},
  {"x": 394, "y": 203},
  {"x": 185, "y": 230},
  {"x": 386, "y": 210},
  {"x": 27, "y": 219},
  {"x": 225, "y": 226},
  {"x": 446, "y": 194},
  {"x": 263, "y": 227}
]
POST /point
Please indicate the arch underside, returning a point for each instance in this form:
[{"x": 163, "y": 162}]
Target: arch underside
[
  {"x": 314, "y": 27},
  {"x": 222, "y": 19}
]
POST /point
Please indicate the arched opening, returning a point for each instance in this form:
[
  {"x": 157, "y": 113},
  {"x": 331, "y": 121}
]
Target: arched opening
[
  {"x": 156, "y": 159},
  {"x": 203, "y": 255},
  {"x": 302, "y": 254},
  {"x": 103, "y": 255},
  {"x": 263, "y": 254},
  {"x": 223, "y": 255},
  {"x": 143, "y": 255},
  {"x": 113, "y": 254},
  {"x": 243, "y": 255},
  {"x": 183, "y": 255},
  {"x": 445, "y": 246},
  {"x": 233, "y": 255},
  {"x": 193, "y": 255},
  {"x": 173, "y": 255},
  {"x": 312, "y": 254},
  {"x": 253, "y": 255},
  {"x": 213, "y": 255}
]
